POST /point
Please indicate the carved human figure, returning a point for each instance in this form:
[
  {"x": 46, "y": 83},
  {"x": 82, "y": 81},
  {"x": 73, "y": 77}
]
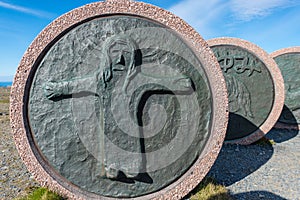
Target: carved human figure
[
  {"x": 120, "y": 61},
  {"x": 239, "y": 95}
]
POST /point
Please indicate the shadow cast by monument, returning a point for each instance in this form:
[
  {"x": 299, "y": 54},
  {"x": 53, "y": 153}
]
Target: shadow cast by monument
[
  {"x": 287, "y": 116},
  {"x": 282, "y": 135},
  {"x": 279, "y": 134},
  {"x": 235, "y": 162},
  {"x": 237, "y": 123},
  {"x": 256, "y": 195}
]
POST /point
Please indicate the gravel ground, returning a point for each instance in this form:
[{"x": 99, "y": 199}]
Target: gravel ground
[
  {"x": 14, "y": 177},
  {"x": 253, "y": 172},
  {"x": 262, "y": 171}
]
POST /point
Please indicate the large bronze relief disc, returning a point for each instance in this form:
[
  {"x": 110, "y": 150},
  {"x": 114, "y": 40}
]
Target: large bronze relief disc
[{"x": 110, "y": 101}]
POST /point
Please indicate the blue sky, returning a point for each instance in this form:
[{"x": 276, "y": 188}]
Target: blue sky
[{"x": 271, "y": 24}]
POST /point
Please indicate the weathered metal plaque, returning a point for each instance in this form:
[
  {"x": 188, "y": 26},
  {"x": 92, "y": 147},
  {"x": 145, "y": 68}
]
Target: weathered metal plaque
[
  {"x": 111, "y": 101},
  {"x": 255, "y": 89},
  {"x": 288, "y": 60}
]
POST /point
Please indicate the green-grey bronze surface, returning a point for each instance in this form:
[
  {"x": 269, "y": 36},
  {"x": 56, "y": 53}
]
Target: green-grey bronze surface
[
  {"x": 289, "y": 65},
  {"x": 120, "y": 106},
  {"x": 250, "y": 89}
]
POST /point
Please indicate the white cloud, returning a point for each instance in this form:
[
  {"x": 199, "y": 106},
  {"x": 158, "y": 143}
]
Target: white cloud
[
  {"x": 212, "y": 17},
  {"x": 200, "y": 14},
  {"x": 193, "y": 8},
  {"x": 247, "y": 10},
  {"x": 26, "y": 10}
]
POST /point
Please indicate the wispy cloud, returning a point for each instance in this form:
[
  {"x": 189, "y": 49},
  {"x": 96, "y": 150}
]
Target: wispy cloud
[
  {"x": 200, "y": 14},
  {"x": 248, "y": 10},
  {"x": 29, "y": 11},
  {"x": 214, "y": 16}
]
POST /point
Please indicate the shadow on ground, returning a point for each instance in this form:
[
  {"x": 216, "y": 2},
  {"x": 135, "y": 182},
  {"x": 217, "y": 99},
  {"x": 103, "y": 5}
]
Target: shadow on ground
[
  {"x": 287, "y": 119},
  {"x": 282, "y": 135},
  {"x": 235, "y": 162},
  {"x": 264, "y": 195}
]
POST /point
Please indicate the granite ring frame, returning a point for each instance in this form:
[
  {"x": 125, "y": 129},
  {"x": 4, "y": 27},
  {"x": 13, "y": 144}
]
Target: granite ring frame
[
  {"x": 278, "y": 82},
  {"x": 39, "y": 167}
]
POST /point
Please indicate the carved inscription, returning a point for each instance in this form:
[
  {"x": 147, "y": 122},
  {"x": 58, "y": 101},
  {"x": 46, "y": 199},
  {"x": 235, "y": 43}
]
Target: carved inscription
[{"x": 238, "y": 63}]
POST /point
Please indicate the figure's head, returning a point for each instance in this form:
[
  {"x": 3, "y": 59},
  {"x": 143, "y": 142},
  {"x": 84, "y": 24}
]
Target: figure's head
[{"x": 121, "y": 52}]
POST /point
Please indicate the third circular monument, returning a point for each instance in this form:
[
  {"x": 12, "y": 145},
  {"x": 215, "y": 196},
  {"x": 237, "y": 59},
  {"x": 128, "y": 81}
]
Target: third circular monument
[{"x": 288, "y": 60}]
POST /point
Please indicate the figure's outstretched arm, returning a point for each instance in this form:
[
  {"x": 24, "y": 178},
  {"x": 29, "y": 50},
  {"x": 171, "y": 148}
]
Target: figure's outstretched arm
[
  {"x": 179, "y": 83},
  {"x": 54, "y": 89}
]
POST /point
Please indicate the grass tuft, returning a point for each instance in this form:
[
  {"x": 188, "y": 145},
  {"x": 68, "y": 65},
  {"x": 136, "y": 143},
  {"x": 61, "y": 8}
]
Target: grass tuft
[
  {"x": 41, "y": 194},
  {"x": 208, "y": 189},
  {"x": 265, "y": 142},
  {"x": 4, "y": 95},
  {"x": 4, "y": 100}
]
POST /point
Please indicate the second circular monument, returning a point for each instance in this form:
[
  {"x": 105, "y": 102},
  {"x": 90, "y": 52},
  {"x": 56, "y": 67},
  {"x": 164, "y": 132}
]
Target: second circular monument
[{"x": 255, "y": 88}]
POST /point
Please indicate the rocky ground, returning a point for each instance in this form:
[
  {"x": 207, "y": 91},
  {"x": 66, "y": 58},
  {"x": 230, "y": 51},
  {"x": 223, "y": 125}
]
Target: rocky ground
[
  {"x": 14, "y": 178},
  {"x": 260, "y": 171}
]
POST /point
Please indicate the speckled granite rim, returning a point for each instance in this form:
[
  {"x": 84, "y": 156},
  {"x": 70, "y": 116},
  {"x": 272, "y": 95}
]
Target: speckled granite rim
[
  {"x": 275, "y": 54},
  {"x": 41, "y": 170},
  {"x": 278, "y": 86}
]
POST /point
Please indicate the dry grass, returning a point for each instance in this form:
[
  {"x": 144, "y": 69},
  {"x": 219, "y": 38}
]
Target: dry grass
[
  {"x": 208, "y": 189},
  {"x": 265, "y": 142},
  {"x": 40, "y": 194},
  {"x": 4, "y": 104},
  {"x": 4, "y": 94},
  {"x": 4, "y": 99}
]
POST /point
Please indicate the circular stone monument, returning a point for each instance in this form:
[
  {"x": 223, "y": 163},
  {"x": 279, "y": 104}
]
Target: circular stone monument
[
  {"x": 119, "y": 99},
  {"x": 288, "y": 60},
  {"x": 255, "y": 88}
]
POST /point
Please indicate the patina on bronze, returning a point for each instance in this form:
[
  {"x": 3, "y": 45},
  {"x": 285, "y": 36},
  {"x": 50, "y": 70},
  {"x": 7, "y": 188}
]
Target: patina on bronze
[
  {"x": 111, "y": 102},
  {"x": 288, "y": 60},
  {"x": 255, "y": 88}
]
